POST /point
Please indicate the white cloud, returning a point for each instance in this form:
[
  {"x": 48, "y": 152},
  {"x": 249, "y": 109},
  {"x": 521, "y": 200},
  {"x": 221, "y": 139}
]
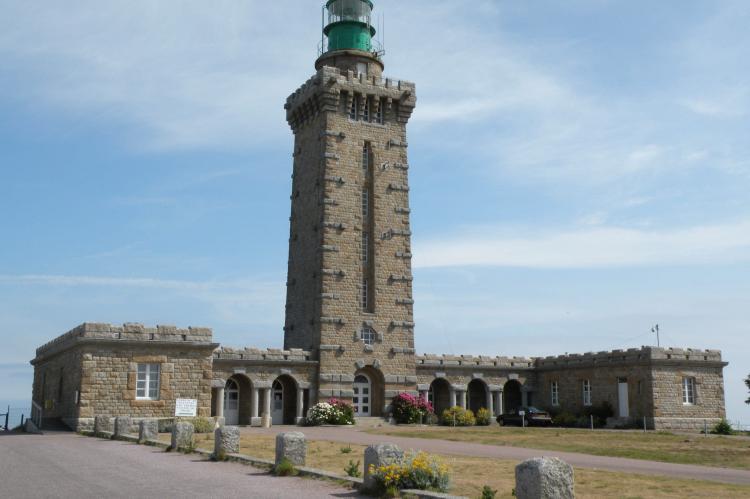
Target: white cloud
[{"x": 590, "y": 248}]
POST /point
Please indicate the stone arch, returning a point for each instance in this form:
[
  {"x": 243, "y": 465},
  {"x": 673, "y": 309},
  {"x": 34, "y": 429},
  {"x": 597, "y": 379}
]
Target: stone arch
[
  {"x": 245, "y": 386},
  {"x": 512, "y": 398},
  {"x": 285, "y": 407},
  {"x": 476, "y": 395},
  {"x": 440, "y": 395},
  {"x": 377, "y": 389}
]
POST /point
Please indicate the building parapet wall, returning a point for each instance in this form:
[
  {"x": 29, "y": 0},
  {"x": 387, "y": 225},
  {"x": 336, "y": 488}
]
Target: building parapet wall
[
  {"x": 465, "y": 361},
  {"x": 631, "y": 355},
  {"x": 129, "y": 332},
  {"x": 268, "y": 355}
]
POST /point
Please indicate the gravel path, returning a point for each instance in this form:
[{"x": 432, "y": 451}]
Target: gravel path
[
  {"x": 66, "y": 465},
  {"x": 355, "y": 435}
]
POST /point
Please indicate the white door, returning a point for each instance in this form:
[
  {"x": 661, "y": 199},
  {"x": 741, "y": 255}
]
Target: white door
[
  {"x": 277, "y": 403},
  {"x": 622, "y": 398},
  {"x": 231, "y": 403},
  {"x": 361, "y": 400}
]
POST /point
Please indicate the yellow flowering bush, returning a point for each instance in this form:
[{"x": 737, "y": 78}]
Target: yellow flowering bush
[{"x": 415, "y": 471}]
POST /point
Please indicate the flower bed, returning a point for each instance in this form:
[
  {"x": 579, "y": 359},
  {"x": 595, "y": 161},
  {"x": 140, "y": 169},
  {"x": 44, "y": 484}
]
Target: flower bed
[
  {"x": 458, "y": 416},
  {"x": 415, "y": 471},
  {"x": 408, "y": 409},
  {"x": 333, "y": 412}
]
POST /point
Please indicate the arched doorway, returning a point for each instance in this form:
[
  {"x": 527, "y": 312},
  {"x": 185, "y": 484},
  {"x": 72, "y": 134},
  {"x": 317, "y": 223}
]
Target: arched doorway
[
  {"x": 283, "y": 400},
  {"x": 440, "y": 396},
  {"x": 231, "y": 402},
  {"x": 362, "y": 400},
  {"x": 375, "y": 394},
  {"x": 512, "y": 399},
  {"x": 477, "y": 395}
]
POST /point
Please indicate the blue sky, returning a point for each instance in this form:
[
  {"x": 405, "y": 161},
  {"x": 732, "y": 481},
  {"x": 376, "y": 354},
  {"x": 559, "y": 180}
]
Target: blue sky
[{"x": 580, "y": 171}]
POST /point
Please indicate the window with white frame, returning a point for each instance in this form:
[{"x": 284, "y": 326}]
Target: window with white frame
[
  {"x": 368, "y": 335},
  {"x": 554, "y": 390},
  {"x": 365, "y": 246},
  {"x": 688, "y": 391},
  {"x": 365, "y": 204},
  {"x": 586, "y": 392},
  {"x": 366, "y": 156},
  {"x": 147, "y": 385},
  {"x": 365, "y": 299}
]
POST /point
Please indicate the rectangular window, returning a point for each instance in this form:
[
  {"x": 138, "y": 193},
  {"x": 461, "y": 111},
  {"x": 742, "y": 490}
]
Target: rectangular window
[
  {"x": 368, "y": 335},
  {"x": 365, "y": 247},
  {"x": 365, "y": 286},
  {"x": 361, "y": 68},
  {"x": 688, "y": 391},
  {"x": 365, "y": 204},
  {"x": 586, "y": 392},
  {"x": 354, "y": 110},
  {"x": 379, "y": 111},
  {"x": 147, "y": 384},
  {"x": 366, "y": 156},
  {"x": 555, "y": 393},
  {"x": 366, "y": 114}
]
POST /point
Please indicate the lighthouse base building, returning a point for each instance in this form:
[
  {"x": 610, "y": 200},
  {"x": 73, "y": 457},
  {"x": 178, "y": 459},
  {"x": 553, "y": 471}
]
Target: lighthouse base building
[{"x": 349, "y": 326}]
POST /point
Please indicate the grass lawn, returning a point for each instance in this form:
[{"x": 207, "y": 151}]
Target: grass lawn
[
  {"x": 470, "y": 474},
  {"x": 719, "y": 451}
]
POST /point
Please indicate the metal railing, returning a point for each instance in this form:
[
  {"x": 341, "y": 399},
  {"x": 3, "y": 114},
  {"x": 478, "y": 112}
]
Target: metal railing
[
  {"x": 12, "y": 418},
  {"x": 376, "y": 48},
  {"x": 36, "y": 414}
]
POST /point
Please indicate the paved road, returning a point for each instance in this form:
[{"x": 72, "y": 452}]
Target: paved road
[
  {"x": 65, "y": 465},
  {"x": 355, "y": 435}
]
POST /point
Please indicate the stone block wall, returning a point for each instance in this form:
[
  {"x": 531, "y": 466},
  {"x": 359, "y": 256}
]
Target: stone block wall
[{"x": 101, "y": 365}]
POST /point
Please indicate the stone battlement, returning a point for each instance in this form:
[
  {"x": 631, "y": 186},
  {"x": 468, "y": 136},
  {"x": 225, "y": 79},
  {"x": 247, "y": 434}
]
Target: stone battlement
[
  {"x": 473, "y": 361},
  {"x": 128, "y": 331},
  {"x": 631, "y": 355},
  {"x": 269, "y": 354}
]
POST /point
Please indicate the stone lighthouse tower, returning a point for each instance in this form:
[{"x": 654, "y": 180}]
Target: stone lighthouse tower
[{"x": 349, "y": 287}]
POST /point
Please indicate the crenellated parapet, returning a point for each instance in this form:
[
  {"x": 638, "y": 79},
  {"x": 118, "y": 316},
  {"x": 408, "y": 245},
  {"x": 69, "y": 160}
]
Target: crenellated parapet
[
  {"x": 466, "y": 361},
  {"x": 263, "y": 355},
  {"x": 332, "y": 89},
  {"x": 641, "y": 355},
  {"x": 127, "y": 332}
]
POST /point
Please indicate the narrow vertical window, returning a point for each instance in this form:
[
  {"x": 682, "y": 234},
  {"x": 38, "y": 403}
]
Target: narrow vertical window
[
  {"x": 365, "y": 247},
  {"x": 554, "y": 393},
  {"x": 586, "y": 392},
  {"x": 60, "y": 385},
  {"x": 366, "y": 113},
  {"x": 366, "y": 157},
  {"x": 379, "y": 111},
  {"x": 688, "y": 391},
  {"x": 365, "y": 204},
  {"x": 364, "y": 296},
  {"x": 354, "y": 110},
  {"x": 147, "y": 382}
]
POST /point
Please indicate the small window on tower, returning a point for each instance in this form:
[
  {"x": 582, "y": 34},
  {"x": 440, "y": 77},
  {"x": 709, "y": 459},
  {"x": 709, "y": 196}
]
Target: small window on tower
[
  {"x": 379, "y": 111},
  {"x": 361, "y": 68},
  {"x": 365, "y": 204},
  {"x": 366, "y": 156},
  {"x": 365, "y": 246},
  {"x": 368, "y": 335},
  {"x": 354, "y": 109},
  {"x": 366, "y": 115},
  {"x": 364, "y": 296}
]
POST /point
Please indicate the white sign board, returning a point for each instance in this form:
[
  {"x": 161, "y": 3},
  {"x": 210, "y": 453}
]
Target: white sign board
[
  {"x": 186, "y": 408},
  {"x": 521, "y": 413}
]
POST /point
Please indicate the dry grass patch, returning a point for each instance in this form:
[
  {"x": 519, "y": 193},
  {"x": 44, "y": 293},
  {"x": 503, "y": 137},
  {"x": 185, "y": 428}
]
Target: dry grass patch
[
  {"x": 470, "y": 474},
  {"x": 724, "y": 452}
]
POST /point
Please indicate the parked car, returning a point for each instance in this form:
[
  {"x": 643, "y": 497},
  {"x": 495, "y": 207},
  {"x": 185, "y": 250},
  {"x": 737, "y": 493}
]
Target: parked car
[{"x": 528, "y": 416}]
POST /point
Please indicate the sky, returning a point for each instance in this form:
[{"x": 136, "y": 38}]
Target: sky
[{"x": 579, "y": 171}]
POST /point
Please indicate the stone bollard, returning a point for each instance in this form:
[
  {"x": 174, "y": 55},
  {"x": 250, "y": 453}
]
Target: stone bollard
[
  {"x": 293, "y": 446},
  {"x": 122, "y": 426},
  {"x": 101, "y": 424},
  {"x": 148, "y": 429},
  {"x": 226, "y": 441},
  {"x": 379, "y": 455},
  {"x": 182, "y": 436},
  {"x": 544, "y": 478}
]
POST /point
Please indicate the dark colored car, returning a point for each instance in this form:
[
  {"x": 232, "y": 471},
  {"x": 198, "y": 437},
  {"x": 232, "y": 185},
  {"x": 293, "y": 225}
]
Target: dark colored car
[{"x": 531, "y": 417}]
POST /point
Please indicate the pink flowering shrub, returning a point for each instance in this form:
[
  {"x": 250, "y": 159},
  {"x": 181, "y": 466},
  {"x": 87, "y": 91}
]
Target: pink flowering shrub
[{"x": 408, "y": 409}]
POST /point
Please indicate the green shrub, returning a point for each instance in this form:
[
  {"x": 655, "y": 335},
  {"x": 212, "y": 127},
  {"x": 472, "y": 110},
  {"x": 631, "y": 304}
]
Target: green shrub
[
  {"x": 285, "y": 468},
  {"x": 458, "y": 416},
  {"x": 565, "y": 419},
  {"x": 202, "y": 425},
  {"x": 483, "y": 417},
  {"x": 408, "y": 409},
  {"x": 346, "y": 450},
  {"x": 352, "y": 469},
  {"x": 723, "y": 428},
  {"x": 487, "y": 492}
]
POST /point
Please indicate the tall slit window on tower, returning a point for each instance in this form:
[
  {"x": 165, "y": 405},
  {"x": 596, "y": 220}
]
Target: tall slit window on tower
[
  {"x": 354, "y": 109},
  {"x": 379, "y": 111},
  {"x": 367, "y": 260},
  {"x": 366, "y": 113}
]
